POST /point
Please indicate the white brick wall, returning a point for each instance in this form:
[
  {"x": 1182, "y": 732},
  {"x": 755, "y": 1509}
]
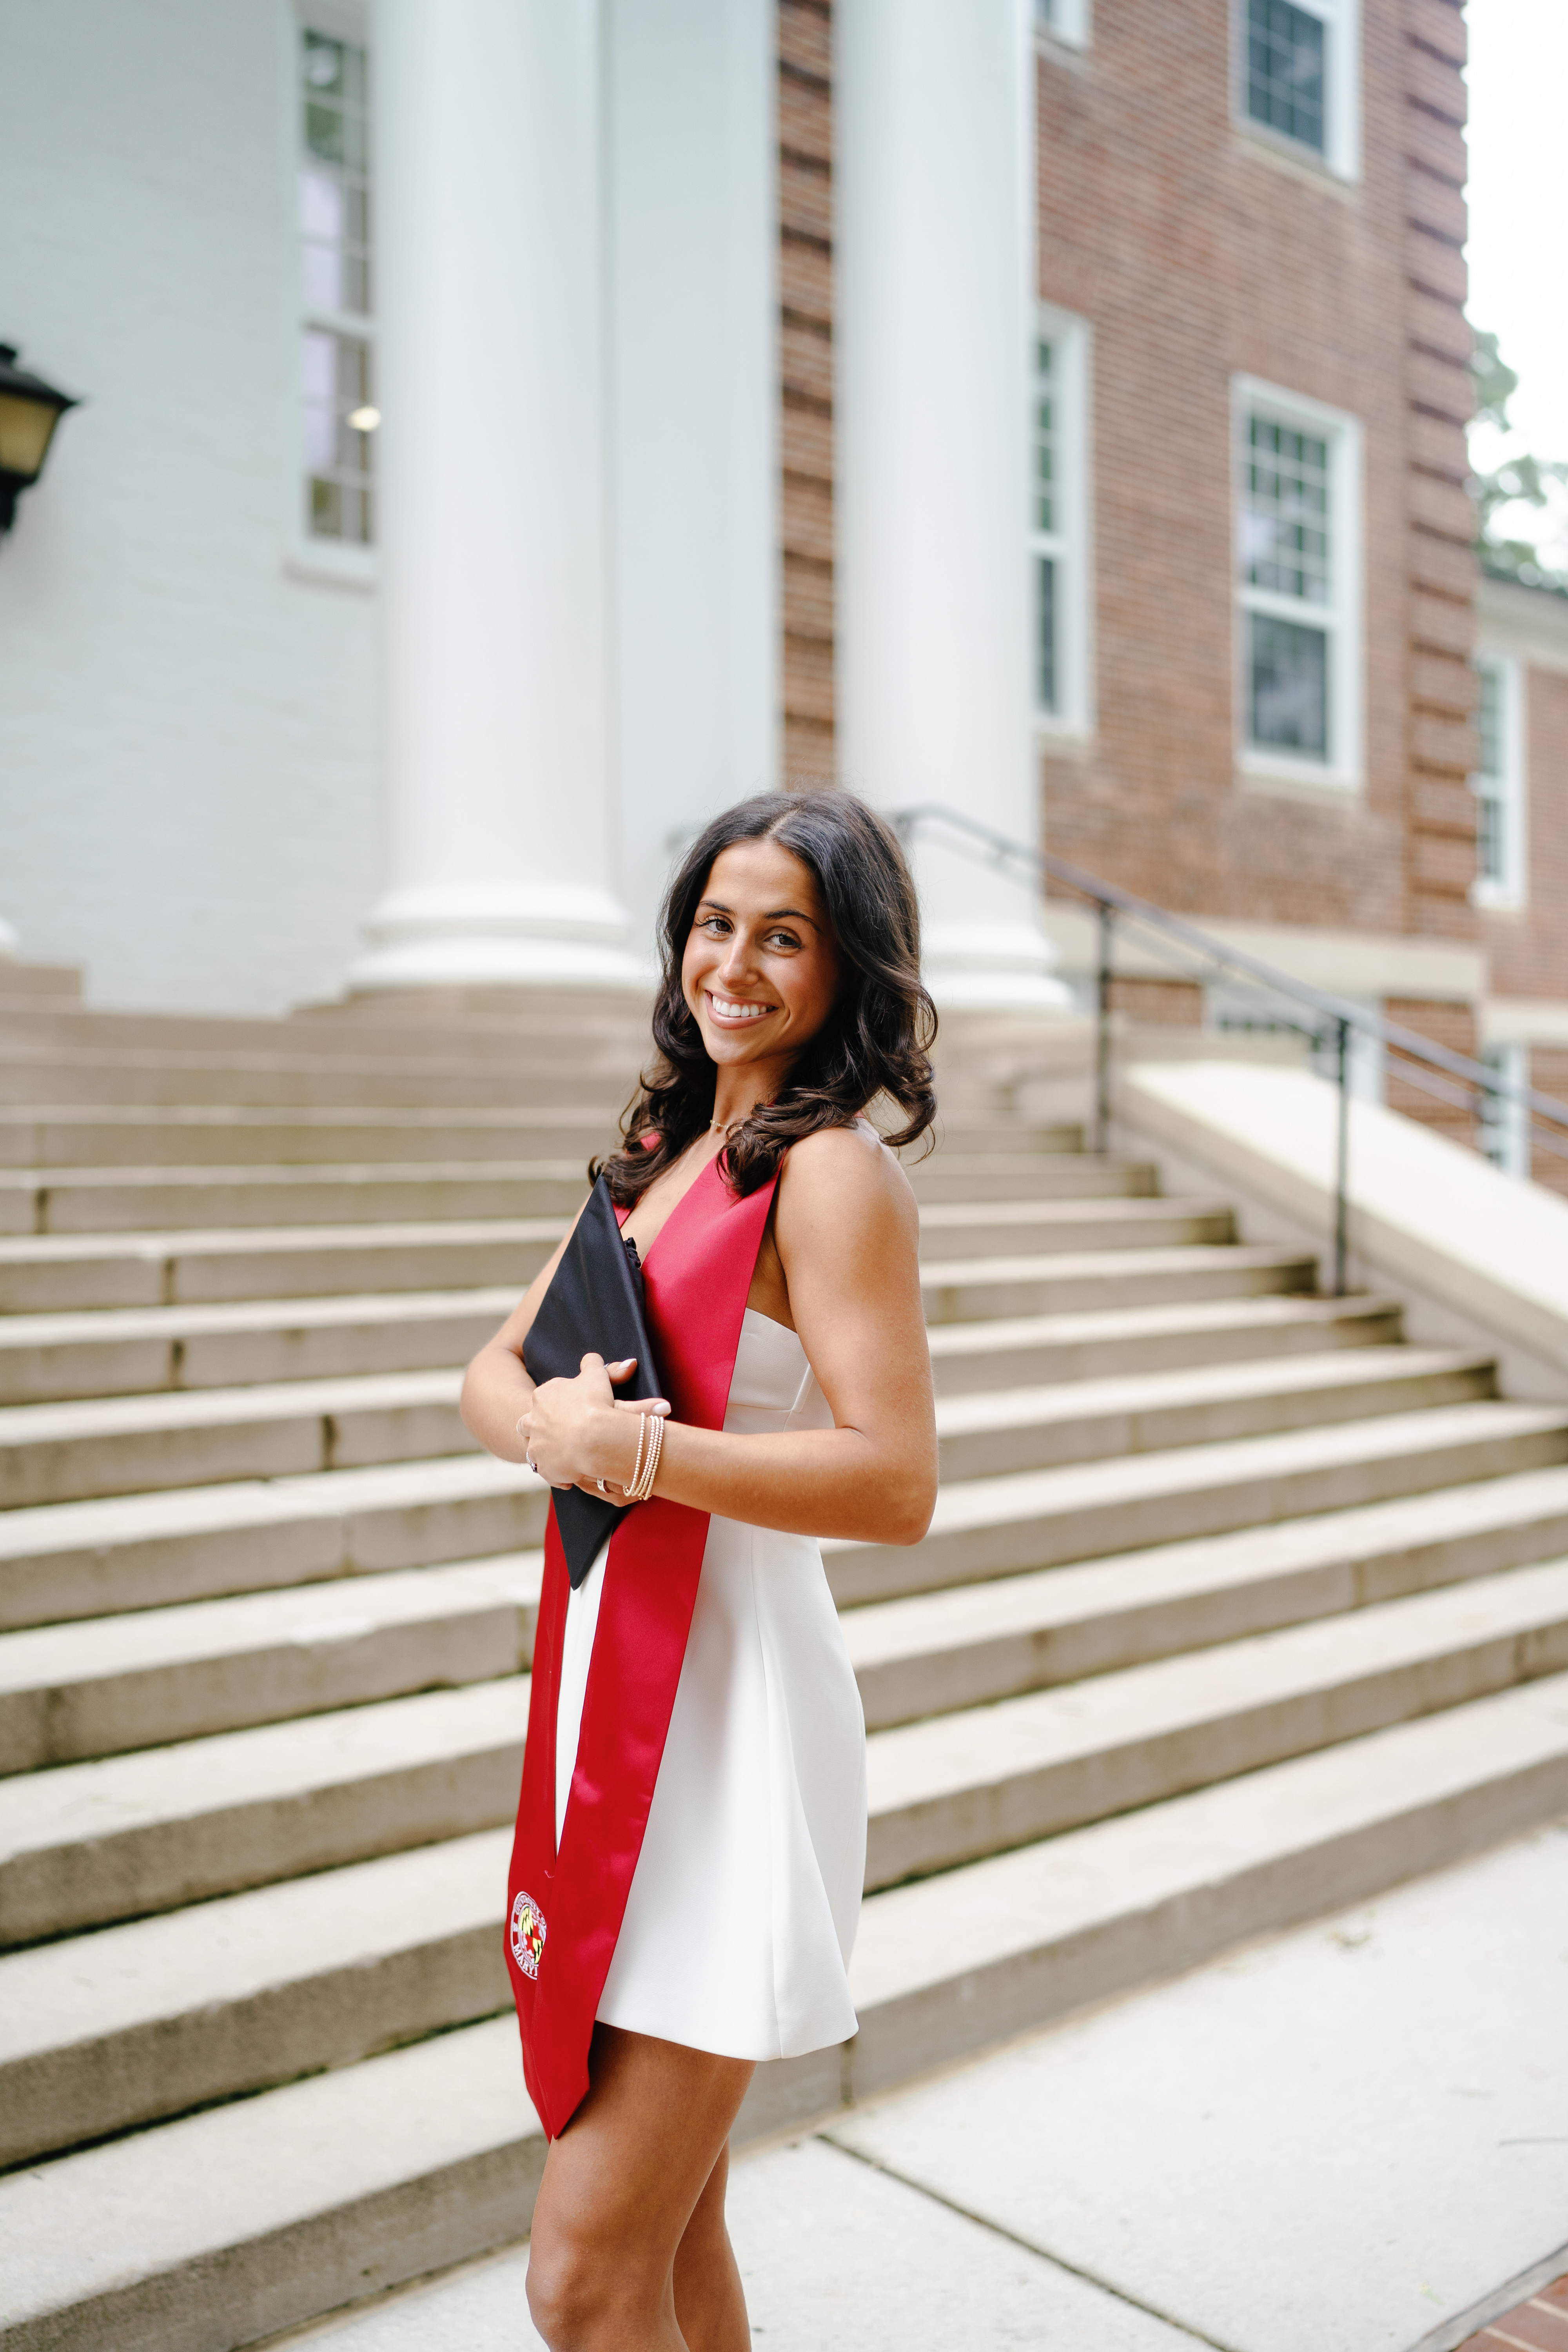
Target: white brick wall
[{"x": 186, "y": 757}]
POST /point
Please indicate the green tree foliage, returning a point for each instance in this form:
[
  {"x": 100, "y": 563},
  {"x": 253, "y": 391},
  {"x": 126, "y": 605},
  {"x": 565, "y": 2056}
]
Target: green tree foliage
[{"x": 1523, "y": 480}]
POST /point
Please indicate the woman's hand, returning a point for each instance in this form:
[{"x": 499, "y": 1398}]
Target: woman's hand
[{"x": 577, "y": 1431}]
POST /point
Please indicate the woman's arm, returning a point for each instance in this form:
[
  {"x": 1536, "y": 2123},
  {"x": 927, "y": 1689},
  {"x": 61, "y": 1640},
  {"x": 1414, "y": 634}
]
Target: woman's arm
[
  {"x": 846, "y": 1230},
  {"x": 495, "y": 1388}
]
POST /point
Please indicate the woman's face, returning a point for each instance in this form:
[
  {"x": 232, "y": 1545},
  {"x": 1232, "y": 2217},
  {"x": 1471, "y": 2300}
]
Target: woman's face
[{"x": 760, "y": 972}]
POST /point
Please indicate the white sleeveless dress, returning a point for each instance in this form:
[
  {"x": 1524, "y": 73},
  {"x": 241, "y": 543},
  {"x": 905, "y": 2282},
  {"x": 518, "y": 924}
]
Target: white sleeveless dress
[{"x": 744, "y": 1903}]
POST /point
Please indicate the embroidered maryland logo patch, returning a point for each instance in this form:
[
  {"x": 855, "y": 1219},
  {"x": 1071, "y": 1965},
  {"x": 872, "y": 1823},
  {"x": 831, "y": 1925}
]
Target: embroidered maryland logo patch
[{"x": 527, "y": 1935}]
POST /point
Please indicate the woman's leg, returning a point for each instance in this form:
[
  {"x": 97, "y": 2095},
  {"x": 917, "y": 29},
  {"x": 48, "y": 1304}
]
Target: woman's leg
[
  {"x": 710, "y": 2302},
  {"x": 641, "y": 2164}
]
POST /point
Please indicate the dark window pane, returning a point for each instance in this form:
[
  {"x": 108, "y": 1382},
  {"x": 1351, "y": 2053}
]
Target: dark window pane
[
  {"x": 1489, "y": 827},
  {"x": 1288, "y": 696},
  {"x": 1489, "y": 720},
  {"x": 1046, "y": 593},
  {"x": 1285, "y": 522},
  {"x": 1284, "y": 70}
]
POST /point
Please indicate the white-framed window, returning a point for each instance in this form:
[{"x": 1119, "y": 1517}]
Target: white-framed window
[
  {"x": 1063, "y": 20},
  {"x": 1060, "y": 523},
  {"x": 1299, "y": 564},
  {"x": 1503, "y": 1127},
  {"x": 338, "y": 416},
  {"x": 1499, "y": 783},
  {"x": 1299, "y": 76}
]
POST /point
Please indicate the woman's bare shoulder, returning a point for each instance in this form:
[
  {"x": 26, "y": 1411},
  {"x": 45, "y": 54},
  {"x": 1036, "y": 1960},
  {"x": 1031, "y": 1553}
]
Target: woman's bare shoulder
[{"x": 850, "y": 1168}]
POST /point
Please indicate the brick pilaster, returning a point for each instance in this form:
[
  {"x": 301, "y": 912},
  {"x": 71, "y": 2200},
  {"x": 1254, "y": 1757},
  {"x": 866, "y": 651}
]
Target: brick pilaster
[
  {"x": 805, "y": 337},
  {"x": 1440, "y": 518}
]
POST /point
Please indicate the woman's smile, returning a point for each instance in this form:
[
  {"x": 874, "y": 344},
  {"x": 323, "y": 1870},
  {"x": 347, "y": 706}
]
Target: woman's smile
[{"x": 730, "y": 1008}]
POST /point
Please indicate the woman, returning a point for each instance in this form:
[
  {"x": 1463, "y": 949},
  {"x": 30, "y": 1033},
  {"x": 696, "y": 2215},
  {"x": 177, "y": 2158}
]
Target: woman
[{"x": 692, "y": 1831}]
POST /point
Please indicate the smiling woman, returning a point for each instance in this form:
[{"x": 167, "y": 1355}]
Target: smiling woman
[{"x": 691, "y": 1834}]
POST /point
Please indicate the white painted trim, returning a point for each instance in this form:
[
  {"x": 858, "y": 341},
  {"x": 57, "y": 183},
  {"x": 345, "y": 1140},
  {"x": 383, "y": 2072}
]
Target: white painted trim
[
  {"x": 1509, "y": 1131},
  {"x": 1071, "y": 547},
  {"x": 1529, "y": 624},
  {"x": 1524, "y": 1021},
  {"x": 1342, "y": 154},
  {"x": 317, "y": 562},
  {"x": 1344, "y": 770},
  {"x": 1359, "y": 964},
  {"x": 327, "y": 563},
  {"x": 345, "y": 20},
  {"x": 1511, "y": 890},
  {"x": 1063, "y": 25}
]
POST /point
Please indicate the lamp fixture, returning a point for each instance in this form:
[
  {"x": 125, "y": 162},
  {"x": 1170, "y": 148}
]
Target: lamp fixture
[{"x": 29, "y": 411}]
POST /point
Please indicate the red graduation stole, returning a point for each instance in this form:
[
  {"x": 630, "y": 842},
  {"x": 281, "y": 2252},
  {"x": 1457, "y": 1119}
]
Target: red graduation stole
[{"x": 564, "y": 1910}]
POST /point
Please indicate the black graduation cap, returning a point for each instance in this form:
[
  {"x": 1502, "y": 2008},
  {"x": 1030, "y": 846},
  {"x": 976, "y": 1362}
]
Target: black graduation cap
[{"x": 594, "y": 1302}]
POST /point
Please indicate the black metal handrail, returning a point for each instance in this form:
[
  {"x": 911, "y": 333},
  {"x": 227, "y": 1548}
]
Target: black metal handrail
[{"x": 1435, "y": 1069}]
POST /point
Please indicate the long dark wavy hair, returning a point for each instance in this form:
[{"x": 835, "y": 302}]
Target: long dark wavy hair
[{"x": 876, "y": 1041}]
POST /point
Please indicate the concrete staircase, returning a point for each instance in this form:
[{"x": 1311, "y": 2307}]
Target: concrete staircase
[{"x": 1236, "y": 1607}]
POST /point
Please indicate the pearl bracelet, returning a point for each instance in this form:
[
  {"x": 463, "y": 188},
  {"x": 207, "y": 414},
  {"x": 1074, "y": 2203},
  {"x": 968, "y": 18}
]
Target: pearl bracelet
[{"x": 644, "y": 1474}]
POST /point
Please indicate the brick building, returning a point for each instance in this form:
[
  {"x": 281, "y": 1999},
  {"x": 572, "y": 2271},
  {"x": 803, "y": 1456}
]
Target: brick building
[
  {"x": 1051, "y": 408},
  {"x": 1256, "y": 589}
]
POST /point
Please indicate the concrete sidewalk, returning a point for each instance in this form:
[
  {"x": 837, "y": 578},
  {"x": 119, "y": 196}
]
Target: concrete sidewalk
[{"x": 1352, "y": 2139}]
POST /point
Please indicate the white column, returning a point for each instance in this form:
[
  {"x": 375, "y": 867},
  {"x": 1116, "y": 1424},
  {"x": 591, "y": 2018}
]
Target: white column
[
  {"x": 692, "y": 140},
  {"x": 934, "y": 171},
  {"x": 495, "y": 756}
]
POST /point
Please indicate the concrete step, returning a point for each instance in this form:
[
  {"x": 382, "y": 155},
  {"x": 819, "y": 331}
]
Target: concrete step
[
  {"x": 159, "y": 2016},
  {"x": 932, "y": 1654},
  {"x": 951, "y": 1175},
  {"x": 1011, "y": 1229},
  {"x": 363, "y": 2176},
  {"x": 141, "y": 1444},
  {"x": 107, "y": 1685},
  {"x": 965, "y": 1134},
  {"x": 557, "y": 1069},
  {"x": 430, "y": 1032},
  {"x": 146, "y": 1199},
  {"x": 972, "y": 1290},
  {"x": 59, "y": 1274},
  {"x": 950, "y": 1964},
  {"x": 960, "y": 1786},
  {"x": 70, "y": 1560},
  {"x": 112, "y": 1684},
  {"x": 64, "y": 1561},
  {"x": 133, "y": 1352},
  {"x": 1044, "y": 1519},
  {"x": 992, "y": 1432},
  {"x": 86, "y": 1448},
  {"x": 93, "y": 1842},
  {"x": 225, "y": 2227},
  {"x": 87, "y": 1843},
  {"x": 60, "y": 1200},
  {"x": 23, "y": 983},
  {"x": 133, "y": 1139},
  {"x": 1026, "y": 1350}
]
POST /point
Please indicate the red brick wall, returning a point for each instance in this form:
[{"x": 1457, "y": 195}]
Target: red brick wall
[
  {"x": 805, "y": 390},
  {"x": 1195, "y": 257},
  {"x": 1453, "y": 1025}
]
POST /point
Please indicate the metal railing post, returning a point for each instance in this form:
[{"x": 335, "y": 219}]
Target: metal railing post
[
  {"x": 1342, "y": 1166},
  {"x": 1102, "y": 1032}
]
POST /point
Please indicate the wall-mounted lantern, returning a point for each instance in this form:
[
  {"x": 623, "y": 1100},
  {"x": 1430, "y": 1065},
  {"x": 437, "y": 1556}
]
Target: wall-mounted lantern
[{"x": 29, "y": 411}]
